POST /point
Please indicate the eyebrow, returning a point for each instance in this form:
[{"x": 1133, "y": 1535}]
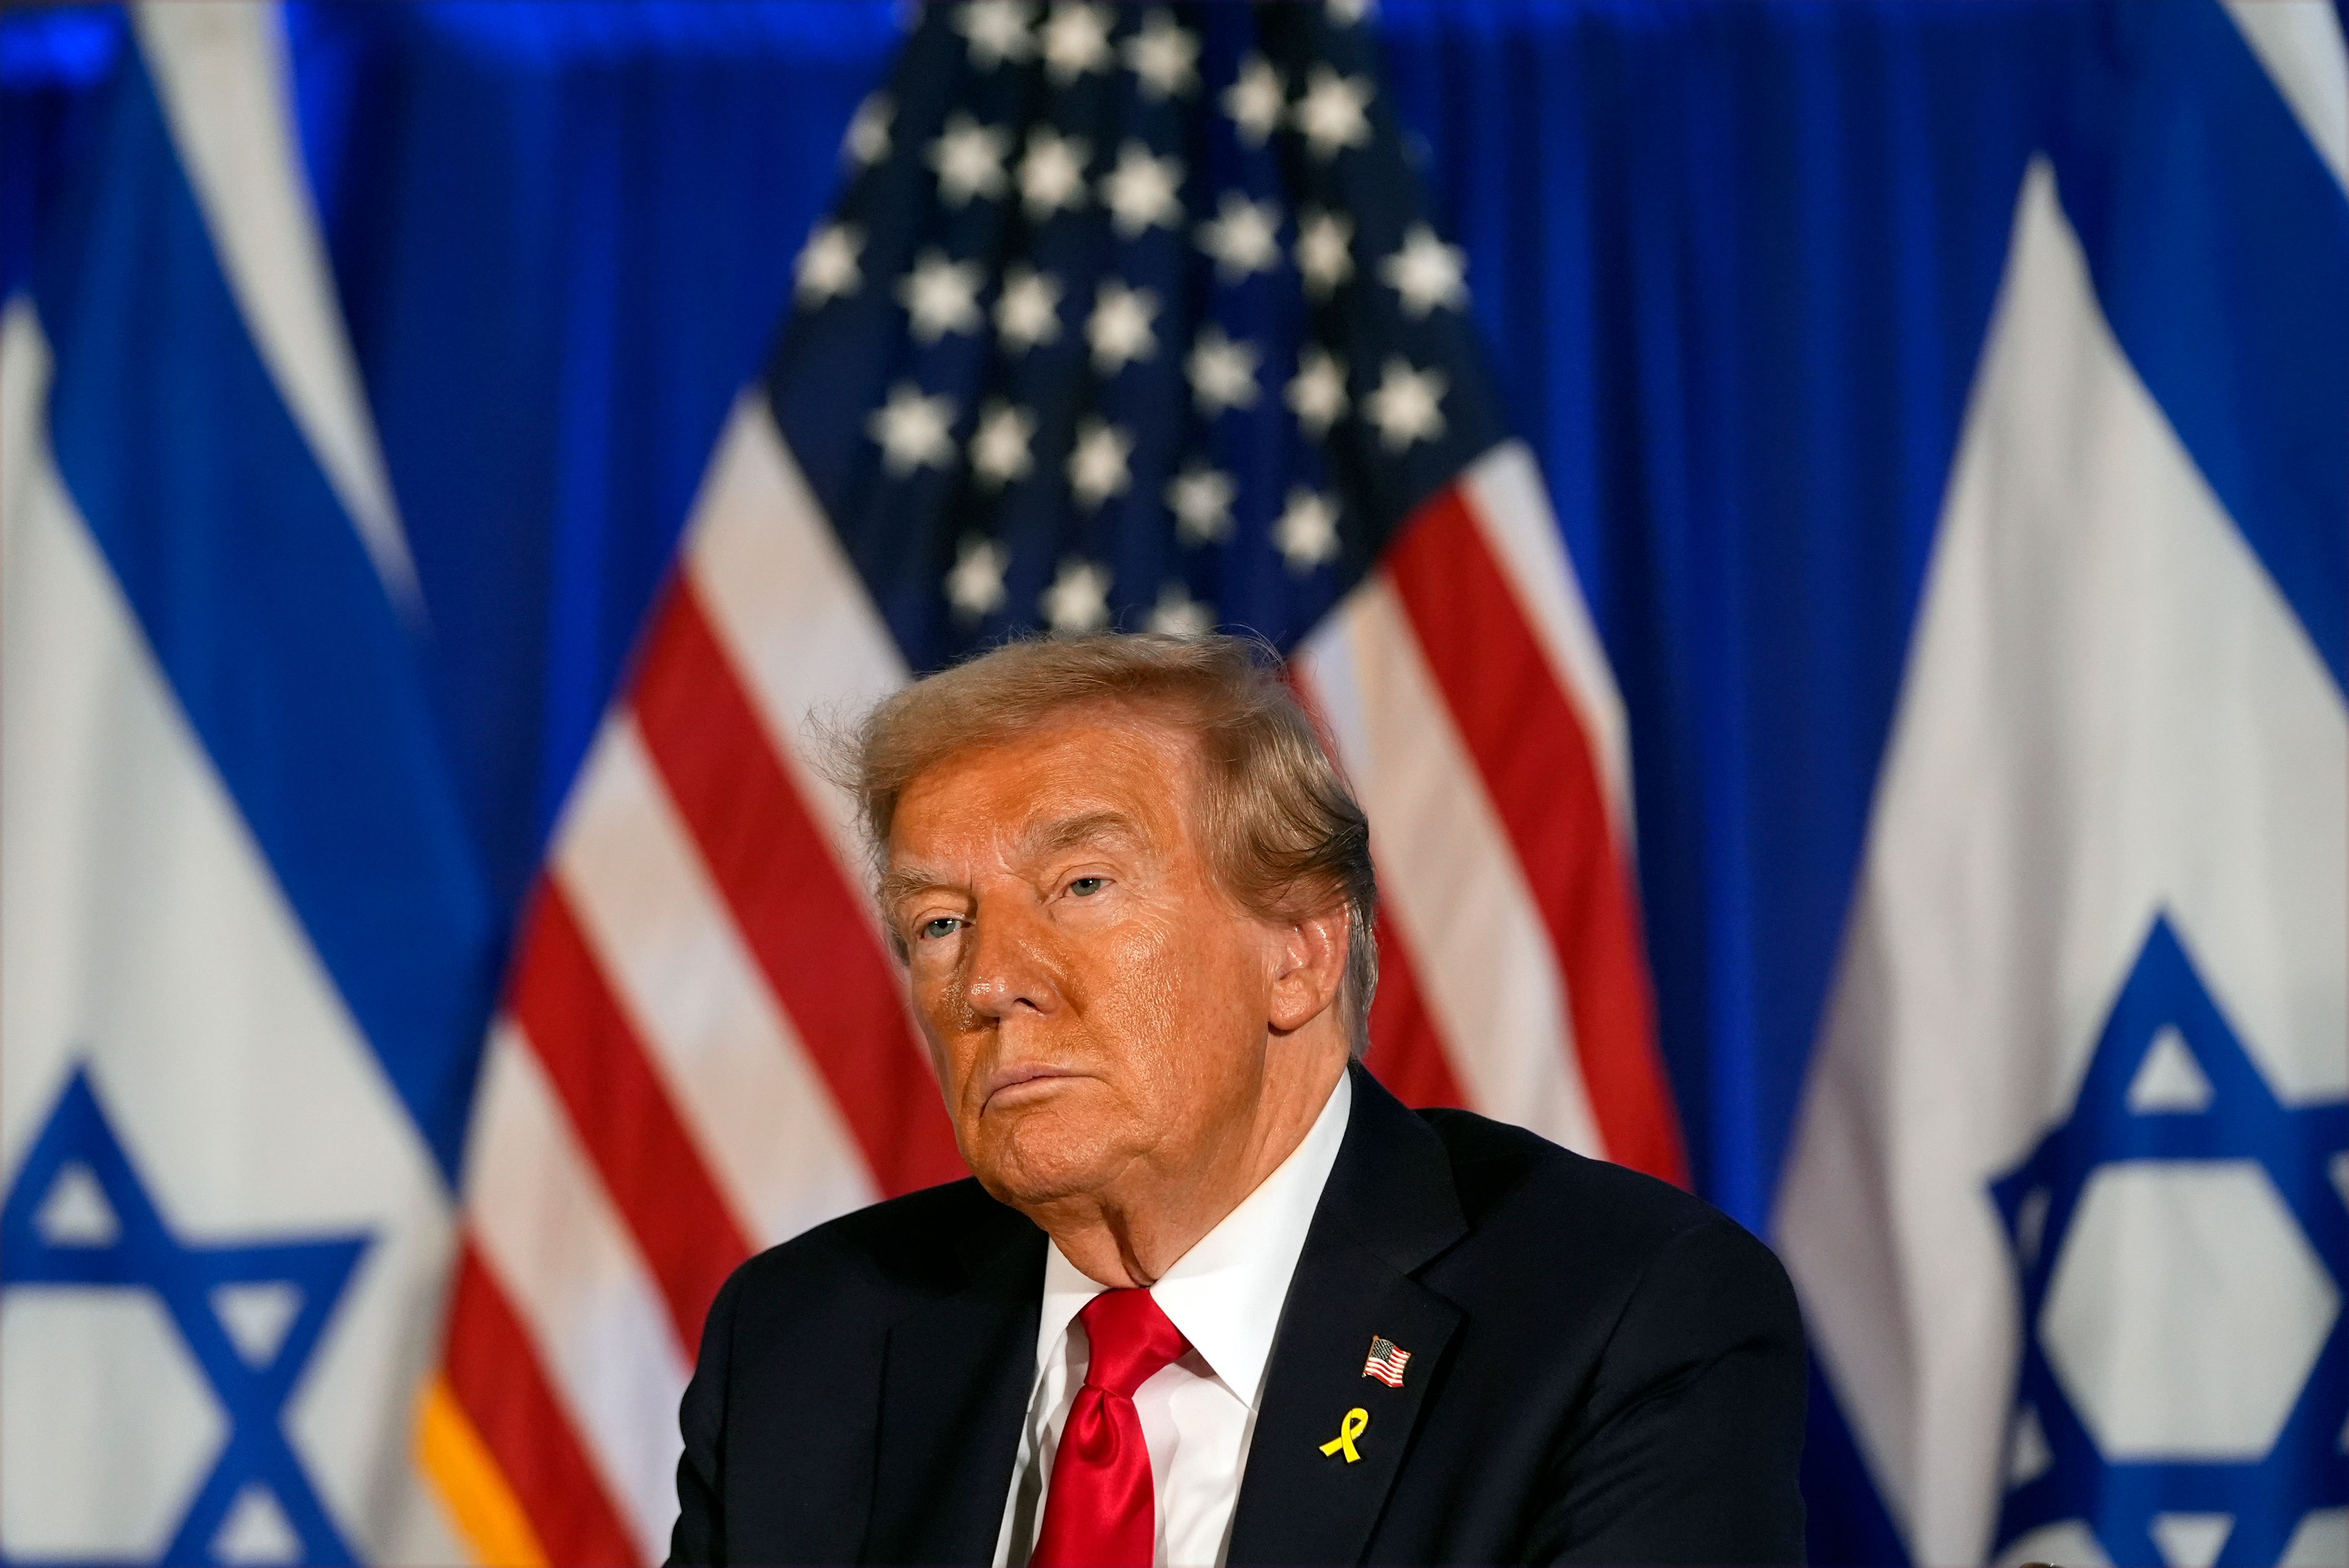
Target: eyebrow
[
  {"x": 1090, "y": 827},
  {"x": 1055, "y": 837},
  {"x": 897, "y": 885}
]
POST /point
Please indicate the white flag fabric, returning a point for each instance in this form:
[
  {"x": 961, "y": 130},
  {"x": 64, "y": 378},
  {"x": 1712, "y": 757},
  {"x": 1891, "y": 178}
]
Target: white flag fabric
[
  {"x": 225, "y": 1234},
  {"x": 2067, "y": 1204}
]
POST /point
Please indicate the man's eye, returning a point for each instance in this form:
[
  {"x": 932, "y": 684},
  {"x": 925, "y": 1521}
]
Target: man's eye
[
  {"x": 1086, "y": 886},
  {"x": 943, "y": 926}
]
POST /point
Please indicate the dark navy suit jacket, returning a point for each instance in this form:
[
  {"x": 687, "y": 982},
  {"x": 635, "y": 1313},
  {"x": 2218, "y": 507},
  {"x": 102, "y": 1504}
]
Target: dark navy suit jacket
[{"x": 1603, "y": 1369}]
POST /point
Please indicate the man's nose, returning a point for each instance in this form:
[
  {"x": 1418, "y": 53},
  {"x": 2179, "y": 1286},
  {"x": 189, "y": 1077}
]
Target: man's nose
[{"x": 1011, "y": 971}]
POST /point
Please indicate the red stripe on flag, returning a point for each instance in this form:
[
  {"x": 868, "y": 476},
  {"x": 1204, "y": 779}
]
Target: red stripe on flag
[
  {"x": 494, "y": 1370},
  {"x": 1406, "y": 1052},
  {"x": 623, "y": 1115},
  {"x": 798, "y": 914},
  {"x": 1535, "y": 759},
  {"x": 1406, "y": 1047}
]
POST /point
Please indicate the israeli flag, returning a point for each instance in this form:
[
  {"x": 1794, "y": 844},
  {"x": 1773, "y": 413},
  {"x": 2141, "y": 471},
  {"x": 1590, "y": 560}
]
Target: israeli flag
[
  {"x": 2067, "y": 1204},
  {"x": 246, "y": 950}
]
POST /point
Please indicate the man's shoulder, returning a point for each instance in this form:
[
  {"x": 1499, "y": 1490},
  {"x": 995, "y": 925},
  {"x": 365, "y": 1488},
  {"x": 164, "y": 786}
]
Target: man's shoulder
[
  {"x": 1528, "y": 1203},
  {"x": 1504, "y": 1174}
]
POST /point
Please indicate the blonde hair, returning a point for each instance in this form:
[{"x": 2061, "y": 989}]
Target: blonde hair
[{"x": 1283, "y": 834}]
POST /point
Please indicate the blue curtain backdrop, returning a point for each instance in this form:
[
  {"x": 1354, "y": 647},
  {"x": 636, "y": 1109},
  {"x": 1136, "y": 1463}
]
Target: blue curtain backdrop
[{"x": 1733, "y": 262}]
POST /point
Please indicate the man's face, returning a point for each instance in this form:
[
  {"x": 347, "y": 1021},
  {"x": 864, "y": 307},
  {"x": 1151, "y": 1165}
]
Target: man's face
[{"x": 1097, "y": 1006}]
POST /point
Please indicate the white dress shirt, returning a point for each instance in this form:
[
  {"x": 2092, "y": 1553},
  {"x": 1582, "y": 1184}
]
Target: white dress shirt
[{"x": 1197, "y": 1414}]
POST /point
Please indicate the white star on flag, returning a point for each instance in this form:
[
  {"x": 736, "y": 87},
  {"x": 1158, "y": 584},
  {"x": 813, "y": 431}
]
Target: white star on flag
[
  {"x": 1162, "y": 57},
  {"x": 999, "y": 448},
  {"x": 915, "y": 432},
  {"x": 1097, "y": 465},
  {"x": 1076, "y": 41},
  {"x": 1143, "y": 190},
  {"x": 1427, "y": 273},
  {"x": 1029, "y": 312},
  {"x": 1177, "y": 614},
  {"x": 975, "y": 587},
  {"x": 1201, "y": 498},
  {"x": 969, "y": 159},
  {"x": 1077, "y": 600},
  {"x": 1119, "y": 329},
  {"x": 1243, "y": 237},
  {"x": 1407, "y": 405},
  {"x": 1325, "y": 251},
  {"x": 1316, "y": 395},
  {"x": 1333, "y": 115},
  {"x": 997, "y": 31},
  {"x": 1349, "y": 12},
  {"x": 941, "y": 297},
  {"x": 1254, "y": 101},
  {"x": 1307, "y": 532},
  {"x": 827, "y": 269},
  {"x": 867, "y": 142},
  {"x": 1222, "y": 372},
  {"x": 1052, "y": 174}
]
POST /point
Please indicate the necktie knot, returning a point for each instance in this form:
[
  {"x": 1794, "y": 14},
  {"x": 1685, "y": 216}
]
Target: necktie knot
[
  {"x": 1101, "y": 1510},
  {"x": 1131, "y": 1339}
]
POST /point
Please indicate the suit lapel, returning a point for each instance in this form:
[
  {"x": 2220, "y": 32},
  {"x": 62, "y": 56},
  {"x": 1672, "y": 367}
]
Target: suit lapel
[
  {"x": 1389, "y": 1209},
  {"x": 953, "y": 1390}
]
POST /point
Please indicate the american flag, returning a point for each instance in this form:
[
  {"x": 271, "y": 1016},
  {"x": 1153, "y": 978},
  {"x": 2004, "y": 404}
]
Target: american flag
[
  {"x": 1129, "y": 317},
  {"x": 1386, "y": 1362}
]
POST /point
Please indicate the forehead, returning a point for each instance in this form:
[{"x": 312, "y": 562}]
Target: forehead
[{"x": 1109, "y": 762}]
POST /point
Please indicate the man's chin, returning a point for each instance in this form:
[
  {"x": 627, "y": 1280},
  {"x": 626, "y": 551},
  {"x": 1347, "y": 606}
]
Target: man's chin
[{"x": 1039, "y": 1151}]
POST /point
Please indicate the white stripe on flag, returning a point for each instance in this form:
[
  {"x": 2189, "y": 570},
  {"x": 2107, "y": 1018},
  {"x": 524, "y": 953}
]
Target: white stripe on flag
[
  {"x": 550, "y": 1237},
  {"x": 664, "y": 940},
  {"x": 791, "y": 609},
  {"x": 225, "y": 84},
  {"x": 1452, "y": 885},
  {"x": 2300, "y": 44},
  {"x": 1506, "y": 497}
]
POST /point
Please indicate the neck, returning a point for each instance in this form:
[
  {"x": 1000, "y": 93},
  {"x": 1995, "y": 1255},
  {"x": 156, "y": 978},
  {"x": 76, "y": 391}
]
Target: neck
[{"x": 1130, "y": 1232}]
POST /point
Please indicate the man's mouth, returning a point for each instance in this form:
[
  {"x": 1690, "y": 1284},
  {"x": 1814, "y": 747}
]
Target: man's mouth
[{"x": 1011, "y": 1086}]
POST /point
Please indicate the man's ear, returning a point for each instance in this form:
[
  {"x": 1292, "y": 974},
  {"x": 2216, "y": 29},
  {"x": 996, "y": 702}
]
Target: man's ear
[{"x": 1312, "y": 968}]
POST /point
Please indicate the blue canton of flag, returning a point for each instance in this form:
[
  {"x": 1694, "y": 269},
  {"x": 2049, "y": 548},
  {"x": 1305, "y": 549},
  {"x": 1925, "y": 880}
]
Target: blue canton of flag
[{"x": 1073, "y": 354}]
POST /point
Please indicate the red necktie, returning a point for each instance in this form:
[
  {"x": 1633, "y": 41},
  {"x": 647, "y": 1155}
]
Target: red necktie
[{"x": 1102, "y": 1510}]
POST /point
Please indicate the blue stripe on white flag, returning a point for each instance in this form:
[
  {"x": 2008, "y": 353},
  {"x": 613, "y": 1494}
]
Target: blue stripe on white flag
[
  {"x": 264, "y": 610},
  {"x": 2219, "y": 243}
]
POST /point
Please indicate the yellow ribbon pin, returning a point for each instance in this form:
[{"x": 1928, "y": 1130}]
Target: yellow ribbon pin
[{"x": 1357, "y": 1420}]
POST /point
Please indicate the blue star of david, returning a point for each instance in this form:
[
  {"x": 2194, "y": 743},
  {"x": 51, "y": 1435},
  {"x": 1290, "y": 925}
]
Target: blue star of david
[
  {"x": 142, "y": 1253},
  {"x": 2242, "y": 1120}
]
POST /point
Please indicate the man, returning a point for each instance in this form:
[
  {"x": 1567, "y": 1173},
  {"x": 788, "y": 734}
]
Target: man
[{"x": 1214, "y": 1296}]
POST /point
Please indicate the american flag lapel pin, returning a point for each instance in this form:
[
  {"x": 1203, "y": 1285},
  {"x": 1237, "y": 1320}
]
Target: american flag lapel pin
[{"x": 1386, "y": 1362}]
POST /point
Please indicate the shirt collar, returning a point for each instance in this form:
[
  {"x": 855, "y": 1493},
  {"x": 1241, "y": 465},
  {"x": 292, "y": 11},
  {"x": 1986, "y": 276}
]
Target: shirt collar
[{"x": 1225, "y": 1293}]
